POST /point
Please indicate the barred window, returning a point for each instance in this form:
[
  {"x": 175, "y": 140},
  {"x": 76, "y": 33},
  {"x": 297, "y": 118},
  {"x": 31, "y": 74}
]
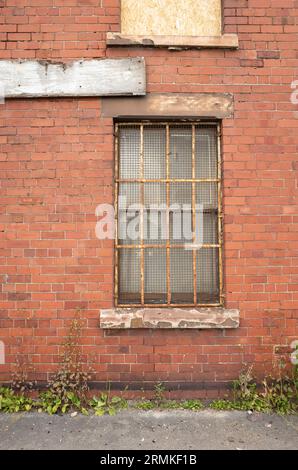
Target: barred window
[{"x": 168, "y": 211}]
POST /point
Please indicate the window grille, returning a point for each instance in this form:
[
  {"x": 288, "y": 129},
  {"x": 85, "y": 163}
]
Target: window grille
[{"x": 161, "y": 168}]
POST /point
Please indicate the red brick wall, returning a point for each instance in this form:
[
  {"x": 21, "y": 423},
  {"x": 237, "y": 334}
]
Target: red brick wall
[{"x": 57, "y": 166}]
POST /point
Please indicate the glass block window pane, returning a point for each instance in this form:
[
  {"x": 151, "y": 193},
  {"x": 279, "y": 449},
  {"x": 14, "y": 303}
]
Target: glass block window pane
[
  {"x": 129, "y": 146},
  {"x": 129, "y": 276},
  {"x": 154, "y": 147},
  {"x": 155, "y": 285},
  {"x": 181, "y": 152},
  {"x": 206, "y": 152},
  {"x": 181, "y": 276},
  {"x": 167, "y": 183},
  {"x": 207, "y": 275}
]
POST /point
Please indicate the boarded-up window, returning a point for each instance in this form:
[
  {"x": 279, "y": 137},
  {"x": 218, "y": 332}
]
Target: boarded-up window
[
  {"x": 171, "y": 17},
  {"x": 168, "y": 186}
]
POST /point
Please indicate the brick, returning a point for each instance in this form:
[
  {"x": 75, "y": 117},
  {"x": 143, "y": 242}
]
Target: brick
[
  {"x": 251, "y": 63},
  {"x": 268, "y": 54},
  {"x": 57, "y": 160}
]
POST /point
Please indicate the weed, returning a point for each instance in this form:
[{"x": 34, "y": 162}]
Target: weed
[
  {"x": 107, "y": 405},
  {"x": 22, "y": 370},
  {"x": 159, "y": 391},
  {"x": 193, "y": 405},
  {"x": 157, "y": 401},
  {"x": 71, "y": 377},
  {"x": 145, "y": 405},
  {"x": 69, "y": 385},
  {"x": 276, "y": 395},
  {"x": 52, "y": 403},
  {"x": 279, "y": 395},
  {"x": 12, "y": 403},
  {"x": 221, "y": 405}
]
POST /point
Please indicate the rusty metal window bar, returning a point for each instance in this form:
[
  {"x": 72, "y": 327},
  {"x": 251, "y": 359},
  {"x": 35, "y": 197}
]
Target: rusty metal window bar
[{"x": 163, "y": 164}]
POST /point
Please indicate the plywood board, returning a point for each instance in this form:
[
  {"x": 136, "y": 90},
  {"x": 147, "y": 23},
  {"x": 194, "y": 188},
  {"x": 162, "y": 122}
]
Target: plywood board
[{"x": 171, "y": 17}]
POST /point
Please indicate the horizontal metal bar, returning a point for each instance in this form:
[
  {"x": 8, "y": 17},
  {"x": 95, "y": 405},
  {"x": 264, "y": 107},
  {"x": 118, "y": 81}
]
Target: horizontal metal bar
[
  {"x": 161, "y": 210},
  {"x": 159, "y": 246},
  {"x": 185, "y": 121},
  {"x": 128, "y": 305},
  {"x": 168, "y": 180}
]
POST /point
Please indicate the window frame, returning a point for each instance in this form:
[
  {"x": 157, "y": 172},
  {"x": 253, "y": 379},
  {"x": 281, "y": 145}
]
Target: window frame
[{"x": 168, "y": 180}]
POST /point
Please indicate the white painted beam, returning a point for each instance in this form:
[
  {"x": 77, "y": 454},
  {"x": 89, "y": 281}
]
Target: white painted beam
[{"x": 103, "y": 77}]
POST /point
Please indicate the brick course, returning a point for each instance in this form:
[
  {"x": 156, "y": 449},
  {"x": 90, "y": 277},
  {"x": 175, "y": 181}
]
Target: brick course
[{"x": 56, "y": 161}]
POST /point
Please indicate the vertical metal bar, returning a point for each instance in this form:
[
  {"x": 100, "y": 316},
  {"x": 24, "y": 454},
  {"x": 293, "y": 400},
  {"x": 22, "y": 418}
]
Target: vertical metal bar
[
  {"x": 220, "y": 214},
  {"x": 168, "y": 214},
  {"x": 142, "y": 213},
  {"x": 222, "y": 17},
  {"x": 193, "y": 204},
  {"x": 116, "y": 268}
]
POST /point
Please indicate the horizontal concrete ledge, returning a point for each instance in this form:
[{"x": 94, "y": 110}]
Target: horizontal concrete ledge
[
  {"x": 183, "y": 318},
  {"x": 98, "y": 77},
  {"x": 227, "y": 41}
]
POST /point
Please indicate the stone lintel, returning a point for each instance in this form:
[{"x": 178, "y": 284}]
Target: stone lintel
[
  {"x": 183, "y": 318},
  {"x": 180, "y": 105},
  {"x": 225, "y": 41}
]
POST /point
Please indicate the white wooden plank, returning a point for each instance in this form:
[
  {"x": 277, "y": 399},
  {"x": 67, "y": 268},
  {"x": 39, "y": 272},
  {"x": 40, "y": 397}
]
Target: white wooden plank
[{"x": 105, "y": 77}]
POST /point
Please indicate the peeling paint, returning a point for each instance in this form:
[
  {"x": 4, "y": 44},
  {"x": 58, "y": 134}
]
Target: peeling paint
[
  {"x": 99, "y": 77},
  {"x": 195, "y": 318}
]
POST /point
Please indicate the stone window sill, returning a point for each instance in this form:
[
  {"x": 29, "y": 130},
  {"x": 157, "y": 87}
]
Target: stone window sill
[
  {"x": 226, "y": 41},
  {"x": 169, "y": 318}
]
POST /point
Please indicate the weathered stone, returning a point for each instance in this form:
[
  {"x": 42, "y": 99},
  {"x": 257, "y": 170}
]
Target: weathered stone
[
  {"x": 225, "y": 41},
  {"x": 181, "y": 105},
  {"x": 183, "y": 318}
]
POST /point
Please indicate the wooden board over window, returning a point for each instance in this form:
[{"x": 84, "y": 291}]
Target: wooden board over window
[
  {"x": 171, "y": 17},
  {"x": 172, "y": 23}
]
